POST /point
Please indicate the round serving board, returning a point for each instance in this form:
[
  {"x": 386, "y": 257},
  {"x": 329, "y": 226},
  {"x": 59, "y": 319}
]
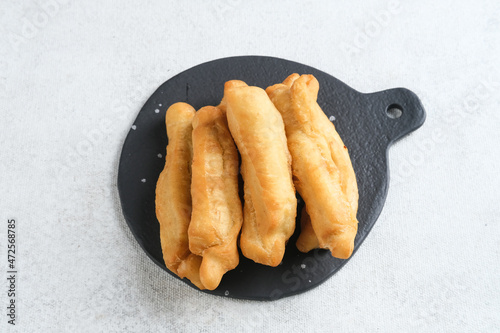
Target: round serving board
[{"x": 363, "y": 121}]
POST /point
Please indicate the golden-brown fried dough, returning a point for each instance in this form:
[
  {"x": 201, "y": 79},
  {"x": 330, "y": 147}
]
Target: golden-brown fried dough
[
  {"x": 229, "y": 85},
  {"x": 217, "y": 213},
  {"x": 322, "y": 169},
  {"x": 173, "y": 195},
  {"x": 270, "y": 204},
  {"x": 290, "y": 80},
  {"x": 190, "y": 268}
]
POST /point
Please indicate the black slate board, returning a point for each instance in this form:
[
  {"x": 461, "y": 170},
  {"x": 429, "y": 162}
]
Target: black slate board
[{"x": 361, "y": 120}]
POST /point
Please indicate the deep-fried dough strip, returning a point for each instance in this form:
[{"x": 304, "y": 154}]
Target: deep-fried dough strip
[
  {"x": 306, "y": 241},
  {"x": 217, "y": 214},
  {"x": 173, "y": 196},
  {"x": 340, "y": 157},
  {"x": 270, "y": 203},
  {"x": 321, "y": 166}
]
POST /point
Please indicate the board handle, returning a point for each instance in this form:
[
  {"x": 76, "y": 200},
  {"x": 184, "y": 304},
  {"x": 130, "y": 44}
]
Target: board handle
[{"x": 399, "y": 111}]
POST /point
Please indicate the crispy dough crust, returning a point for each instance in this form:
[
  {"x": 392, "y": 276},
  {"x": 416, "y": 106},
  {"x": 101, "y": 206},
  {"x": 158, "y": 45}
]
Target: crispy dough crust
[
  {"x": 229, "y": 85},
  {"x": 217, "y": 213},
  {"x": 173, "y": 196},
  {"x": 270, "y": 204},
  {"x": 190, "y": 268},
  {"x": 307, "y": 239},
  {"x": 322, "y": 169}
]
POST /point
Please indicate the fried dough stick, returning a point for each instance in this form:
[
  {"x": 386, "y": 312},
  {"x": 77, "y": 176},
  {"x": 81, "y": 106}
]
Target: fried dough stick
[
  {"x": 173, "y": 196},
  {"x": 217, "y": 213},
  {"x": 270, "y": 204},
  {"x": 321, "y": 166}
]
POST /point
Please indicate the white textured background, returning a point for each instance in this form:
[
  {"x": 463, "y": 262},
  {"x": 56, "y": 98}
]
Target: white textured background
[{"x": 74, "y": 74}]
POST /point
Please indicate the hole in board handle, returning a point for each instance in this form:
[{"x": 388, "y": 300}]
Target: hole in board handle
[{"x": 394, "y": 111}]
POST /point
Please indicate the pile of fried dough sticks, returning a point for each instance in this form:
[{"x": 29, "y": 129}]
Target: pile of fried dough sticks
[{"x": 286, "y": 143}]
